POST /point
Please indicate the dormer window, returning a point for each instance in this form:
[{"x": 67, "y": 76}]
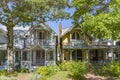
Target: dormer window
[
  {"x": 41, "y": 35},
  {"x": 76, "y": 36}
]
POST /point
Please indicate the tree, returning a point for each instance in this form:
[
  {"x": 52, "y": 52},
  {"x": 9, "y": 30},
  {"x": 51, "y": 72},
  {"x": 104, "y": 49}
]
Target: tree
[
  {"x": 28, "y": 12},
  {"x": 100, "y": 18}
]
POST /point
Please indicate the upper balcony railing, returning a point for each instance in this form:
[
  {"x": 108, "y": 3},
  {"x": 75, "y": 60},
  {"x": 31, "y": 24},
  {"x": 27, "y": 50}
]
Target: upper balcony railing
[
  {"x": 102, "y": 43},
  {"x": 44, "y": 43},
  {"x": 75, "y": 44}
]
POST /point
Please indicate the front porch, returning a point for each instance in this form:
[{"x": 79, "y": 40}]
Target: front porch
[
  {"x": 95, "y": 56},
  {"x": 37, "y": 56}
]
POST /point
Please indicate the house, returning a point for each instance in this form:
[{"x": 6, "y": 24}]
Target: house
[
  {"x": 33, "y": 46},
  {"x": 39, "y": 47},
  {"x": 3, "y": 47},
  {"x": 74, "y": 45}
]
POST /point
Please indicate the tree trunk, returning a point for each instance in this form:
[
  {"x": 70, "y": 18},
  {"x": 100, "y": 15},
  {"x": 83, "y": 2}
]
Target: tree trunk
[{"x": 10, "y": 52}]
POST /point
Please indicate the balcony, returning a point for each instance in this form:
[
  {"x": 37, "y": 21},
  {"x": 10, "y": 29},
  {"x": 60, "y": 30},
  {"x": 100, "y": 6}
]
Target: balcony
[
  {"x": 75, "y": 44},
  {"x": 42, "y": 43}
]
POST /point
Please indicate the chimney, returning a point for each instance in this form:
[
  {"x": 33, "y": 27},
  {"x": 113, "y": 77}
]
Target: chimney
[{"x": 60, "y": 29}]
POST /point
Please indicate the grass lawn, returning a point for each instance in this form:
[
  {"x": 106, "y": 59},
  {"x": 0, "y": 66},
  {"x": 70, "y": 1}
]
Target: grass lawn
[
  {"x": 19, "y": 76},
  {"x": 62, "y": 75}
]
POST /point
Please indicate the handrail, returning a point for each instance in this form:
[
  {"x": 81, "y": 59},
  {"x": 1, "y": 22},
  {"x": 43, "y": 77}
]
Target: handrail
[{"x": 40, "y": 42}]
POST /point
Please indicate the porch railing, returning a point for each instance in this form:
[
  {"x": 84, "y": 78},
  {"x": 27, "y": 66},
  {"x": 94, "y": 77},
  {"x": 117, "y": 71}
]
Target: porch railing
[
  {"x": 75, "y": 44},
  {"x": 26, "y": 64},
  {"x": 40, "y": 42},
  {"x": 101, "y": 43},
  {"x": 47, "y": 63},
  {"x": 99, "y": 62}
]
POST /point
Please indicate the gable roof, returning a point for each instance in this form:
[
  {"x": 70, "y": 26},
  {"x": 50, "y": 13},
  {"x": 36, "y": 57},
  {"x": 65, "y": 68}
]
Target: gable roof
[
  {"x": 43, "y": 26},
  {"x": 68, "y": 30}
]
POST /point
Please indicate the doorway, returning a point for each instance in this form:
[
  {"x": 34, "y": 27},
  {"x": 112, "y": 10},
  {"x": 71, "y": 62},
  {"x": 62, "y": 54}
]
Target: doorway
[
  {"x": 77, "y": 55},
  {"x": 40, "y": 58}
]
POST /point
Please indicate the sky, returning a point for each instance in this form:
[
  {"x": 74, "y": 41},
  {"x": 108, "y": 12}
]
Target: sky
[
  {"x": 65, "y": 23},
  {"x": 55, "y": 25}
]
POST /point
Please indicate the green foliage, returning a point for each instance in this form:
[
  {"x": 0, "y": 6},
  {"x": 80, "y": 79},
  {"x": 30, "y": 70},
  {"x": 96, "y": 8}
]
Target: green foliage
[
  {"x": 23, "y": 70},
  {"x": 48, "y": 70},
  {"x": 76, "y": 69},
  {"x": 43, "y": 70},
  {"x": 64, "y": 66},
  {"x": 112, "y": 69},
  {"x": 53, "y": 69},
  {"x": 3, "y": 72},
  {"x": 105, "y": 23}
]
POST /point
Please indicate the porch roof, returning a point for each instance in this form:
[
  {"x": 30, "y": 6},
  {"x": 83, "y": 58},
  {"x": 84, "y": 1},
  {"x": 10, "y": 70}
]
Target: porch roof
[
  {"x": 91, "y": 47},
  {"x": 37, "y": 47}
]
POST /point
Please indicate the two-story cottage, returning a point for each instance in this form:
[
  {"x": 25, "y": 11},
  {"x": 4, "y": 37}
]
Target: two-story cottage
[
  {"x": 33, "y": 46},
  {"x": 39, "y": 46},
  {"x": 3, "y": 47},
  {"x": 74, "y": 45}
]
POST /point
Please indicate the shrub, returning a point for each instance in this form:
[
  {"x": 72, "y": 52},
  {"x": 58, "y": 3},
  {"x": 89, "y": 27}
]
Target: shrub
[
  {"x": 23, "y": 70},
  {"x": 77, "y": 70},
  {"x": 111, "y": 69},
  {"x": 65, "y": 65},
  {"x": 53, "y": 69},
  {"x": 43, "y": 70},
  {"x": 3, "y": 72}
]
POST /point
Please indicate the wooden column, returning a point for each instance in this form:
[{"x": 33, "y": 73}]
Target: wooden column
[
  {"x": 21, "y": 57},
  {"x": 70, "y": 54},
  {"x": 87, "y": 56},
  {"x": 45, "y": 57},
  {"x": 63, "y": 54}
]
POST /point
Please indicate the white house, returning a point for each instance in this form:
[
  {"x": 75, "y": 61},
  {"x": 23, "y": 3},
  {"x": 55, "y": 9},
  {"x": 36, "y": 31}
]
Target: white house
[{"x": 33, "y": 46}]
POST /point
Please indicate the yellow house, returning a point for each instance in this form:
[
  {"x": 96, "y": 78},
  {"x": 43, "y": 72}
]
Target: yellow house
[{"x": 74, "y": 45}]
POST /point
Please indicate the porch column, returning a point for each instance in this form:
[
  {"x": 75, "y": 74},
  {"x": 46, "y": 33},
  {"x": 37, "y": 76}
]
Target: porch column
[
  {"x": 14, "y": 56},
  {"x": 54, "y": 56},
  {"x": 112, "y": 54},
  {"x": 30, "y": 58},
  {"x": 21, "y": 57},
  {"x": 63, "y": 54},
  {"x": 86, "y": 55},
  {"x": 70, "y": 54},
  {"x": 36, "y": 33},
  {"x": 70, "y": 36},
  {"x": 45, "y": 58}
]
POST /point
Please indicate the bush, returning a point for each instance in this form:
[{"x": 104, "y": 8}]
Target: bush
[
  {"x": 23, "y": 70},
  {"x": 53, "y": 69},
  {"x": 47, "y": 71},
  {"x": 65, "y": 65},
  {"x": 43, "y": 70},
  {"x": 3, "y": 72},
  {"x": 112, "y": 69},
  {"x": 77, "y": 70}
]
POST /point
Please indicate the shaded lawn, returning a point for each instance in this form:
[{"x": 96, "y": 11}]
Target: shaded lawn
[
  {"x": 62, "y": 75},
  {"x": 19, "y": 76}
]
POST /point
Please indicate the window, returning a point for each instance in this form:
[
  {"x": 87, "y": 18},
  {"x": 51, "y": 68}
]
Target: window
[
  {"x": 50, "y": 56},
  {"x": 76, "y": 36},
  {"x": 41, "y": 35}
]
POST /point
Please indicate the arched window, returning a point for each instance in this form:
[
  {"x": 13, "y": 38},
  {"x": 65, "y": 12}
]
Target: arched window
[{"x": 76, "y": 36}]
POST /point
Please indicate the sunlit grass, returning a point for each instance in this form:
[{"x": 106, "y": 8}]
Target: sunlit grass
[{"x": 62, "y": 75}]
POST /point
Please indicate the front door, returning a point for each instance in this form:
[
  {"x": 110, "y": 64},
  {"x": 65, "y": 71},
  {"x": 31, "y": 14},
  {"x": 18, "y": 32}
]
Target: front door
[
  {"x": 40, "y": 58},
  {"x": 77, "y": 55},
  {"x": 96, "y": 56}
]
